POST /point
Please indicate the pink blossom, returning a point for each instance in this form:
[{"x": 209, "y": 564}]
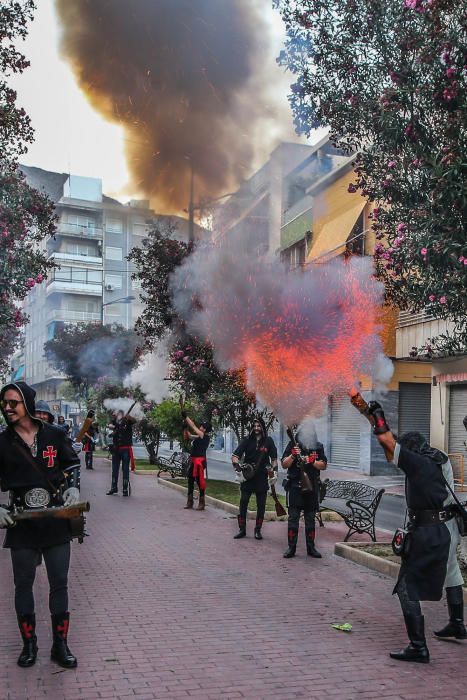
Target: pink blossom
[
  {"x": 451, "y": 72},
  {"x": 432, "y": 297},
  {"x": 442, "y": 300},
  {"x": 186, "y": 358},
  {"x": 417, "y": 162},
  {"x": 179, "y": 354},
  {"x": 30, "y": 282},
  {"x": 39, "y": 278},
  {"x": 424, "y": 251},
  {"x": 461, "y": 259},
  {"x": 351, "y": 188},
  {"x": 392, "y": 164},
  {"x": 401, "y": 228}
]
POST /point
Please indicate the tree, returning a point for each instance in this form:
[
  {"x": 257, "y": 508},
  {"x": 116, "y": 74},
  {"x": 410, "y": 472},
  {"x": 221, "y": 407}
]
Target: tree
[
  {"x": 26, "y": 216},
  {"x": 157, "y": 258},
  {"x": 389, "y": 81},
  {"x": 168, "y": 417},
  {"x": 87, "y": 352}
]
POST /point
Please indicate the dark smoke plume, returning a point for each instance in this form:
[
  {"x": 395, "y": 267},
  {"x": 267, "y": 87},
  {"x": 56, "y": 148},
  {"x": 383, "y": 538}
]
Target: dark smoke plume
[{"x": 191, "y": 81}]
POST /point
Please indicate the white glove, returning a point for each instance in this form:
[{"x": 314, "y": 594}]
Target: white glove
[
  {"x": 71, "y": 496},
  {"x": 5, "y": 519},
  {"x": 77, "y": 446},
  {"x": 272, "y": 480},
  {"x": 239, "y": 478}
]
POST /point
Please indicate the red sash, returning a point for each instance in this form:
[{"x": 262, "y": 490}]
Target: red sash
[
  {"x": 132, "y": 457},
  {"x": 198, "y": 470}
]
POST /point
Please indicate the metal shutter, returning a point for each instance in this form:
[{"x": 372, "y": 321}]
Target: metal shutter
[
  {"x": 345, "y": 433},
  {"x": 457, "y": 413},
  {"x": 414, "y": 408}
]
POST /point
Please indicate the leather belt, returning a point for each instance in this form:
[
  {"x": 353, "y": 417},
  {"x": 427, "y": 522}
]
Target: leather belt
[{"x": 429, "y": 517}]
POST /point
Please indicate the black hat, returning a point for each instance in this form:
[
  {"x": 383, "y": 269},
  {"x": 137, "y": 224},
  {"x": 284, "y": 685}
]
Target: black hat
[
  {"x": 45, "y": 408},
  {"x": 28, "y": 394},
  {"x": 207, "y": 426}
]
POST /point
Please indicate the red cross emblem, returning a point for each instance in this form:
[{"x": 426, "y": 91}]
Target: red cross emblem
[
  {"x": 27, "y": 630},
  {"x": 50, "y": 453},
  {"x": 63, "y": 629}
]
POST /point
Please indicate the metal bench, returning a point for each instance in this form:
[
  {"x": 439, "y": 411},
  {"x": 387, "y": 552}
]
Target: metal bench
[
  {"x": 175, "y": 465},
  {"x": 355, "y": 502}
]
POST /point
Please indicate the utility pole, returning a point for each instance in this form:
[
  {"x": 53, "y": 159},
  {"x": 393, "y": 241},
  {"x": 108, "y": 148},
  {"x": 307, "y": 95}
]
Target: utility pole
[{"x": 191, "y": 209}]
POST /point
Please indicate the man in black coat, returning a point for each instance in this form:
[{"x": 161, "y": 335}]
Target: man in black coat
[
  {"x": 38, "y": 468},
  {"x": 308, "y": 451},
  {"x": 429, "y": 562},
  {"x": 122, "y": 451},
  {"x": 259, "y": 451}
]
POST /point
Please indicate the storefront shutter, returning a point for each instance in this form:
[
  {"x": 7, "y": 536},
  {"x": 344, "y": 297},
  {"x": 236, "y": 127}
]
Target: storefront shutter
[
  {"x": 457, "y": 413},
  {"x": 345, "y": 433},
  {"x": 414, "y": 408}
]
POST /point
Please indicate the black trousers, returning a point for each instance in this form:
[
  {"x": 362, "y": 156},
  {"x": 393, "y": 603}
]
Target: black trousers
[
  {"x": 299, "y": 502},
  {"x": 191, "y": 483},
  {"x": 261, "y": 497},
  {"x": 57, "y": 563}
]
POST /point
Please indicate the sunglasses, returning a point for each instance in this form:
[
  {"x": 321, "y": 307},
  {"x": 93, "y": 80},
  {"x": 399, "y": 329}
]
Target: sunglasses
[{"x": 11, "y": 402}]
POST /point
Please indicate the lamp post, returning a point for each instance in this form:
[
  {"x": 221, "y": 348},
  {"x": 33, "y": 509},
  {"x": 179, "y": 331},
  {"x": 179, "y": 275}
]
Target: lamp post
[{"x": 122, "y": 300}]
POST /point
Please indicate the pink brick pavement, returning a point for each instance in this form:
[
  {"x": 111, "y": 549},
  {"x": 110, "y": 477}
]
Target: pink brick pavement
[{"x": 165, "y": 604}]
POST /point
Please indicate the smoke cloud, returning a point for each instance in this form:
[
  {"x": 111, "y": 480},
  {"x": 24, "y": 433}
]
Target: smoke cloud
[
  {"x": 193, "y": 82},
  {"x": 302, "y": 336},
  {"x": 151, "y": 374},
  {"x": 124, "y": 404}
]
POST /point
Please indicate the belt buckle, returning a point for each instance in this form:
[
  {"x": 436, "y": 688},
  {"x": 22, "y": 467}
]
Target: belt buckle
[{"x": 442, "y": 515}]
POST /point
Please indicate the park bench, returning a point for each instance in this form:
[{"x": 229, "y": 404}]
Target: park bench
[
  {"x": 355, "y": 502},
  {"x": 176, "y": 465}
]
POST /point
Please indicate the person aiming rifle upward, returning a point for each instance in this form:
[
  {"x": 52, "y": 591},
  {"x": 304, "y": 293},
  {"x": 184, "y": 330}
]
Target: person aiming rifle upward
[
  {"x": 122, "y": 449},
  {"x": 200, "y": 436}
]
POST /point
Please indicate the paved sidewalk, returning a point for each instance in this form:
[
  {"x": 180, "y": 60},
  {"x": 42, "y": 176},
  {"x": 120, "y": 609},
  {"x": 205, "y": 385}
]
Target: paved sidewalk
[{"x": 165, "y": 604}]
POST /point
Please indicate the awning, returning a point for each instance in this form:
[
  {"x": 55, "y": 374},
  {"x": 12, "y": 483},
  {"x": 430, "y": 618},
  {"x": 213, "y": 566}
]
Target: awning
[
  {"x": 333, "y": 234},
  {"x": 19, "y": 374}
]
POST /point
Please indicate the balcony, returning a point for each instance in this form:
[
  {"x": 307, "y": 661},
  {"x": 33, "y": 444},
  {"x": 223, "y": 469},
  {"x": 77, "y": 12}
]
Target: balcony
[
  {"x": 76, "y": 258},
  {"x": 296, "y": 227},
  {"x": 75, "y": 281},
  {"x": 67, "y": 315},
  {"x": 81, "y": 231}
]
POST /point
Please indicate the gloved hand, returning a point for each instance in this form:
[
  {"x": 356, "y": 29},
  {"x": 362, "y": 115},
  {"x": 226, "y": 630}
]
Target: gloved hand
[
  {"x": 272, "y": 479},
  {"x": 77, "y": 446},
  {"x": 5, "y": 518},
  {"x": 239, "y": 478},
  {"x": 379, "y": 419},
  {"x": 311, "y": 458},
  {"x": 296, "y": 451},
  {"x": 71, "y": 496}
]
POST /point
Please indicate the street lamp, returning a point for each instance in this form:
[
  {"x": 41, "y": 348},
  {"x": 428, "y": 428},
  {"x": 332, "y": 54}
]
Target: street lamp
[{"x": 122, "y": 300}]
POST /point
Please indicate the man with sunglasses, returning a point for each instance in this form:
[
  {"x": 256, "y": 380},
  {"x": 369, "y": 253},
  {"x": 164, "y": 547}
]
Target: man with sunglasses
[{"x": 34, "y": 457}]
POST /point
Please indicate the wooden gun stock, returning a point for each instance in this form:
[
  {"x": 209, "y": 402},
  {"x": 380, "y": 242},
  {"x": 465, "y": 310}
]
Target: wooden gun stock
[
  {"x": 86, "y": 425},
  {"x": 304, "y": 478},
  {"x": 357, "y": 400},
  {"x": 280, "y": 510},
  {"x": 60, "y": 512}
]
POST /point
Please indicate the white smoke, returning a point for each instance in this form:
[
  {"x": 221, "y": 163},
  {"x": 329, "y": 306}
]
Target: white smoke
[
  {"x": 124, "y": 404},
  {"x": 151, "y": 374}
]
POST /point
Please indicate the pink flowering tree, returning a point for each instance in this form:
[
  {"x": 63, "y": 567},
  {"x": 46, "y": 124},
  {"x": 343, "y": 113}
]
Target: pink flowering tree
[
  {"x": 389, "y": 81},
  {"x": 26, "y": 216}
]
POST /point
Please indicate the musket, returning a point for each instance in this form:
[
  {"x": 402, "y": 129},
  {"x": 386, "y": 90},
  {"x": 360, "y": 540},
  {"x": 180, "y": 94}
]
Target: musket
[
  {"x": 186, "y": 432},
  {"x": 60, "y": 512},
  {"x": 307, "y": 486},
  {"x": 280, "y": 510},
  {"x": 86, "y": 425},
  {"x": 130, "y": 409},
  {"x": 357, "y": 400}
]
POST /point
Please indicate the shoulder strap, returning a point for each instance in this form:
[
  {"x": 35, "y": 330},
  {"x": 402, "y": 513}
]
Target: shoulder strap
[
  {"x": 450, "y": 489},
  {"x": 33, "y": 464}
]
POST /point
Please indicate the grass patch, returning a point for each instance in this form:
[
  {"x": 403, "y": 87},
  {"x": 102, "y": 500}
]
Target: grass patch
[
  {"x": 229, "y": 492},
  {"x": 144, "y": 464}
]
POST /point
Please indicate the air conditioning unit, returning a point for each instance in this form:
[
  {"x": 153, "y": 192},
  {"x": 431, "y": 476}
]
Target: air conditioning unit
[{"x": 109, "y": 288}]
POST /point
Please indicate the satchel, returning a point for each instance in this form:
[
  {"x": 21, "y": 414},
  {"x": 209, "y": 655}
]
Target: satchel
[{"x": 401, "y": 542}]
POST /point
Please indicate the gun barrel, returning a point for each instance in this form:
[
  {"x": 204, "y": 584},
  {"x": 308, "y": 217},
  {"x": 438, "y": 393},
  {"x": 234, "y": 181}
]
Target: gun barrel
[{"x": 63, "y": 512}]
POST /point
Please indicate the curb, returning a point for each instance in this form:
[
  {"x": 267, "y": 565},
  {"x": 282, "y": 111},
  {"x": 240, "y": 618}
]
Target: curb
[
  {"x": 355, "y": 553},
  {"x": 269, "y": 516}
]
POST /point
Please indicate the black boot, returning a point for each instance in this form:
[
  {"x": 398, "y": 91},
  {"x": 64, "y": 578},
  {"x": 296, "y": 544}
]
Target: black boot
[
  {"x": 259, "y": 524},
  {"x": 310, "y": 544},
  {"x": 113, "y": 488},
  {"x": 455, "y": 627},
  {"x": 241, "y": 528},
  {"x": 125, "y": 487},
  {"x": 417, "y": 650},
  {"x": 88, "y": 461},
  {"x": 60, "y": 651},
  {"x": 292, "y": 536},
  {"x": 27, "y": 627},
  {"x": 189, "y": 502}
]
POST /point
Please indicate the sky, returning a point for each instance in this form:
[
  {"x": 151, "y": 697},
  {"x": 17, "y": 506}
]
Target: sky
[{"x": 70, "y": 136}]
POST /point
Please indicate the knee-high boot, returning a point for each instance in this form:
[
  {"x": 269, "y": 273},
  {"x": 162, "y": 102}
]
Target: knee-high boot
[
  {"x": 292, "y": 537},
  {"x": 417, "y": 650},
  {"x": 241, "y": 527},
  {"x": 27, "y": 627},
  {"x": 310, "y": 544},
  {"x": 60, "y": 651},
  {"x": 455, "y": 627}
]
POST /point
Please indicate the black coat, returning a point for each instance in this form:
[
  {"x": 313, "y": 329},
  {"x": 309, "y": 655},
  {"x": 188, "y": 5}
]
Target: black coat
[
  {"x": 296, "y": 498},
  {"x": 424, "y": 567},
  {"x": 18, "y": 475},
  {"x": 254, "y": 452}
]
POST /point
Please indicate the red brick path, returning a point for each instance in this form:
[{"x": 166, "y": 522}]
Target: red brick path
[{"x": 165, "y": 604}]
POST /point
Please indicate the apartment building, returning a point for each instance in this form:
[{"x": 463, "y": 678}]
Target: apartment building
[{"x": 92, "y": 282}]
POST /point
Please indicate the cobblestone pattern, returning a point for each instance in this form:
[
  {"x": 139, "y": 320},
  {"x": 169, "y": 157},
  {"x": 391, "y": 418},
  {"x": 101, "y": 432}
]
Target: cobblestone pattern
[{"x": 165, "y": 604}]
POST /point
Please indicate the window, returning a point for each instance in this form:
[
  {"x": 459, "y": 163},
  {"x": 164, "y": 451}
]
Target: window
[
  {"x": 114, "y": 281},
  {"x": 77, "y": 274},
  {"x": 140, "y": 229},
  {"x": 115, "y": 225},
  {"x": 82, "y": 221},
  {"x": 294, "y": 256},
  {"x": 112, "y": 253},
  {"x": 78, "y": 249}
]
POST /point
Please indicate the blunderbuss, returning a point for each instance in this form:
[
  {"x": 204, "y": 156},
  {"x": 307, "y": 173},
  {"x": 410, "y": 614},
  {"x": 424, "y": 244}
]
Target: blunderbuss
[{"x": 74, "y": 513}]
